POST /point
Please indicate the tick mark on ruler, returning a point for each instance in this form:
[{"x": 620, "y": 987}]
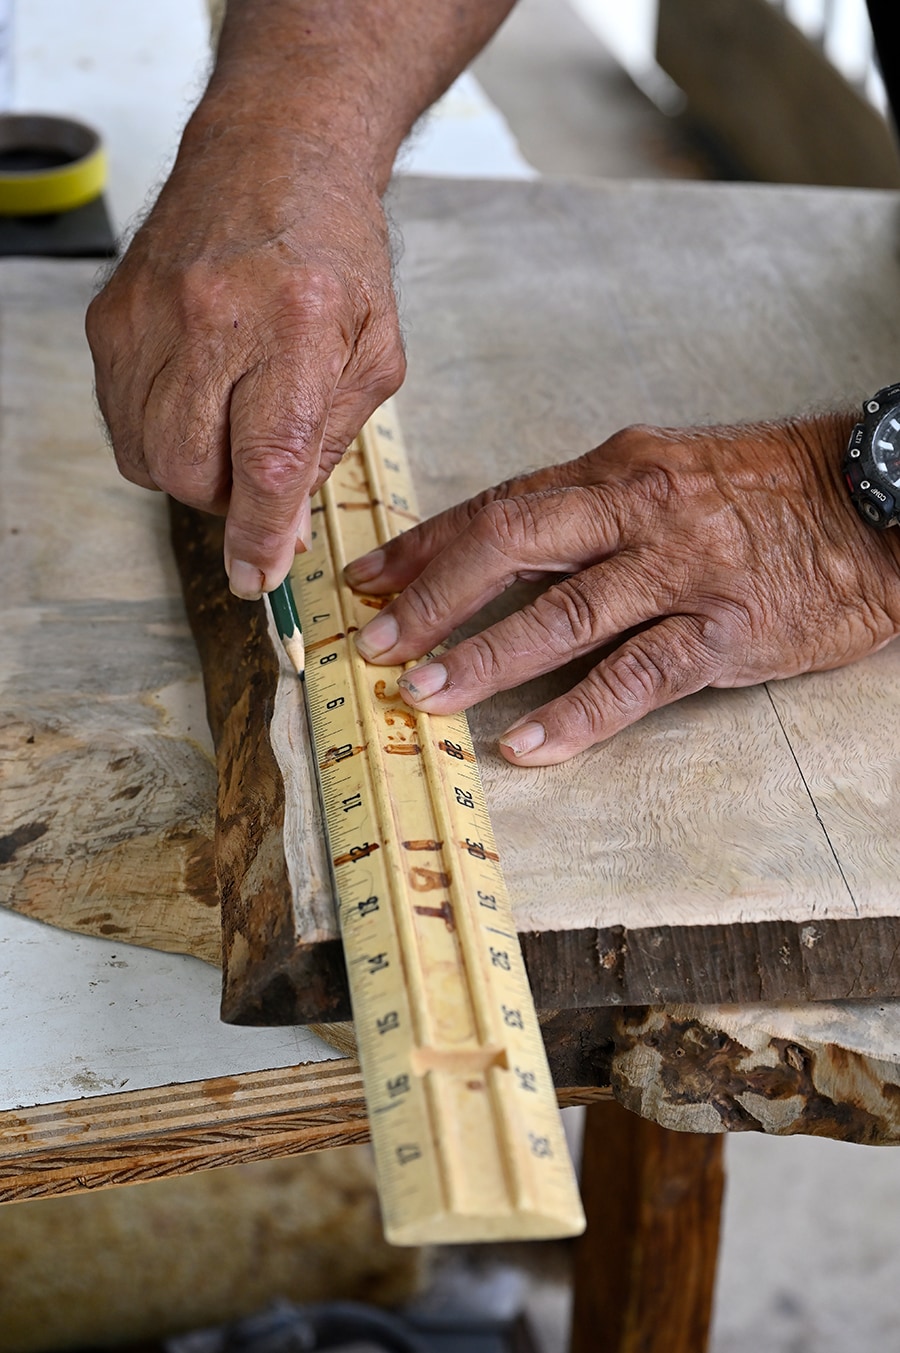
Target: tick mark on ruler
[
  {"x": 402, "y": 748},
  {"x": 421, "y": 845},
  {"x": 319, "y": 643}
]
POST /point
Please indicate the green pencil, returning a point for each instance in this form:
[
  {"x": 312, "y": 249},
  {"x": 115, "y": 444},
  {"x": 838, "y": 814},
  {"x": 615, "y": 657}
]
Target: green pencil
[{"x": 287, "y": 622}]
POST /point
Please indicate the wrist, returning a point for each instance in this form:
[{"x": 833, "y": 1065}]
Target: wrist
[{"x": 300, "y": 131}]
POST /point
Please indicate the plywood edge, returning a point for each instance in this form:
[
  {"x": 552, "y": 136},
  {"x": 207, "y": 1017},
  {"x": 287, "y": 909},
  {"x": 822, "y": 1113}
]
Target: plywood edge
[
  {"x": 129, "y": 1138},
  {"x": 150, "y": 1134}
]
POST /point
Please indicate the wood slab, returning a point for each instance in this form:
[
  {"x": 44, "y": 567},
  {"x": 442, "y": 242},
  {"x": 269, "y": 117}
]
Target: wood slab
[
  {"x": 107, "y": 794},
  {"x": 738, "y": 845}
]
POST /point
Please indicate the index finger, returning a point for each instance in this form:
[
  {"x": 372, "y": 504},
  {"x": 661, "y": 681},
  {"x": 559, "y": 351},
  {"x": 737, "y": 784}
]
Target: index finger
[
  {"x": 561, "y": 531},
  {"x": 396, "y": 563}
]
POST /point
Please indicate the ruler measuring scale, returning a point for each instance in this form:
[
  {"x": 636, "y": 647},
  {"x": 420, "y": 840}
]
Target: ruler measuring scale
[{"x": 468, "y": 1140}]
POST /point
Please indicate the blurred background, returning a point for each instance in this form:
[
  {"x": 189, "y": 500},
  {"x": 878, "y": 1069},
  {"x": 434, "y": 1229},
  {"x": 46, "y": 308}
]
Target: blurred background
[{"x": 730, "y": 89}]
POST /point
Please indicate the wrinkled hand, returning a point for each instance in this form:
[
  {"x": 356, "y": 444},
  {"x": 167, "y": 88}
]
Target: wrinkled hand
[
  {"x": 711, "y": 557},
  {"x": 247, "y": 335}
]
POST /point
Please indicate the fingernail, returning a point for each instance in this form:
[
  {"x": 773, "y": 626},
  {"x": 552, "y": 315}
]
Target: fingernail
[
  {"x": 422, "y": 682},
  {"x": 304, "y": 530},
  {"x": 526, "y": 738},
  {"x": 245, "y": 580},
  {"x": 364, "y": 569},
  {"x": 378, "y": 636}
]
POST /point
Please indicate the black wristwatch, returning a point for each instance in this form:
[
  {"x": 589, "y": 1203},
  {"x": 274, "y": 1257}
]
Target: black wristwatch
[{"x": 872, "y": 463}]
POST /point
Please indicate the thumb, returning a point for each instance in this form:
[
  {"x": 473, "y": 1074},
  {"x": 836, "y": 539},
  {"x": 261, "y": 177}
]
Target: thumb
[{"x": 277, "y": 420}]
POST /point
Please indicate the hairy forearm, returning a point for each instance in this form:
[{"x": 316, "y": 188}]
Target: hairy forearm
[
  {"x": 251, "y": 328},
  {"x": 347, "y": 77}
]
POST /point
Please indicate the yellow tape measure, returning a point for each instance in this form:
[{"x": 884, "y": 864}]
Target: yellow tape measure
[
  {"x": 468, "y": 1140},
  {"x": 48, "y": 164}
]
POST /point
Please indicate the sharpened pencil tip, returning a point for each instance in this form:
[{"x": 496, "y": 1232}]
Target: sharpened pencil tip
[
  {"x": 296, "y": 651},
  {"x": 287, "y": 622}
]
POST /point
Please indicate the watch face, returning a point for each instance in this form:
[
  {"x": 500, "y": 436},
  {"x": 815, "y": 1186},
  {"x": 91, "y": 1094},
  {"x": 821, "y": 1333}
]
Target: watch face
[{"x": 886, "y": 447}]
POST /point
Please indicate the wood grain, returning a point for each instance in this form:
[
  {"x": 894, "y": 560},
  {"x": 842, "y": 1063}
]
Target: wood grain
[
  {"x": 737, "y": 846},
  {"x": 723, "y": 849},
  {"x": 106, "y": 801}
]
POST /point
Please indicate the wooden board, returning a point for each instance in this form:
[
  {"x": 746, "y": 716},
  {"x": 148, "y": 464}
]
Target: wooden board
[
  {"x": 176, "y": 1129},
  {"x": 106, "y": 804},
  {"x": 539, "y": 319},
  {"x": 740, "y": 845}
]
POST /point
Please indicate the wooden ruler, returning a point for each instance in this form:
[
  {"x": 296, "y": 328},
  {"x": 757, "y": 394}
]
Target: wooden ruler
[{"x": 468, "y": 1140}]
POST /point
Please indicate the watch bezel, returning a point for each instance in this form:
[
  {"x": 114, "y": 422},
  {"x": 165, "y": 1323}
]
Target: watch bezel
[{"x": 876, "y": 498}]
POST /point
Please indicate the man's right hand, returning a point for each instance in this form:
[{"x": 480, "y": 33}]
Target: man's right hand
[{"x": 247, "y": 335}]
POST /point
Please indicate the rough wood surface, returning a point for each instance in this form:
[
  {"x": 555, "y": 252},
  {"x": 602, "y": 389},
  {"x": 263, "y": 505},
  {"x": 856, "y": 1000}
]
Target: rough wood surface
[
  {"x": 829, "y": 1070},
  {"x": 278, "y": 925},
  {"x": 106, "y": 800},
  {"x": 738, "y": 845},
  {"x": 645, "y": 1267}
]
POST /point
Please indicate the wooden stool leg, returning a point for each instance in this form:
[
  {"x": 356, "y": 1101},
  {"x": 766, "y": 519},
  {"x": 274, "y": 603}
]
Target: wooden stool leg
[{"x": 646, "y": 1266}]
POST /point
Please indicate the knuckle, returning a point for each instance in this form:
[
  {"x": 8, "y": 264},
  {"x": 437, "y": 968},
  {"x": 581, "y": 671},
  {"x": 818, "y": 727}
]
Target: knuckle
[
  {"x": 310, "y": 298},
  {"x": 202, "y": 293},
  {"x": 392, "y": 374},
  {"x": 630, "y": 440},
  {"x": 571, "y": 611},
  {"x": 270, "y": 469},
  {"x": 95, "y": 322},
  {"x": 318, "y": 289},
  {"x": 427, "y": 605},
  {"x": 649, "y": 666},
  {"x": 503, "y": 522},
  {"x": 718, "y": 637},
  {"x": 385, "y": 375},
  {"x": 582, "y": 715},
  {"x": 484, "y": 660},
  {"x": 132, "y": 468},
  {"x": 637, "y": 673},
  {"x": 654, "y": 485}
]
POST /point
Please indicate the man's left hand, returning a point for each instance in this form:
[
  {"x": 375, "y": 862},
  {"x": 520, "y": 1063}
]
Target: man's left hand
[{"x": 709, "y": 556}]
